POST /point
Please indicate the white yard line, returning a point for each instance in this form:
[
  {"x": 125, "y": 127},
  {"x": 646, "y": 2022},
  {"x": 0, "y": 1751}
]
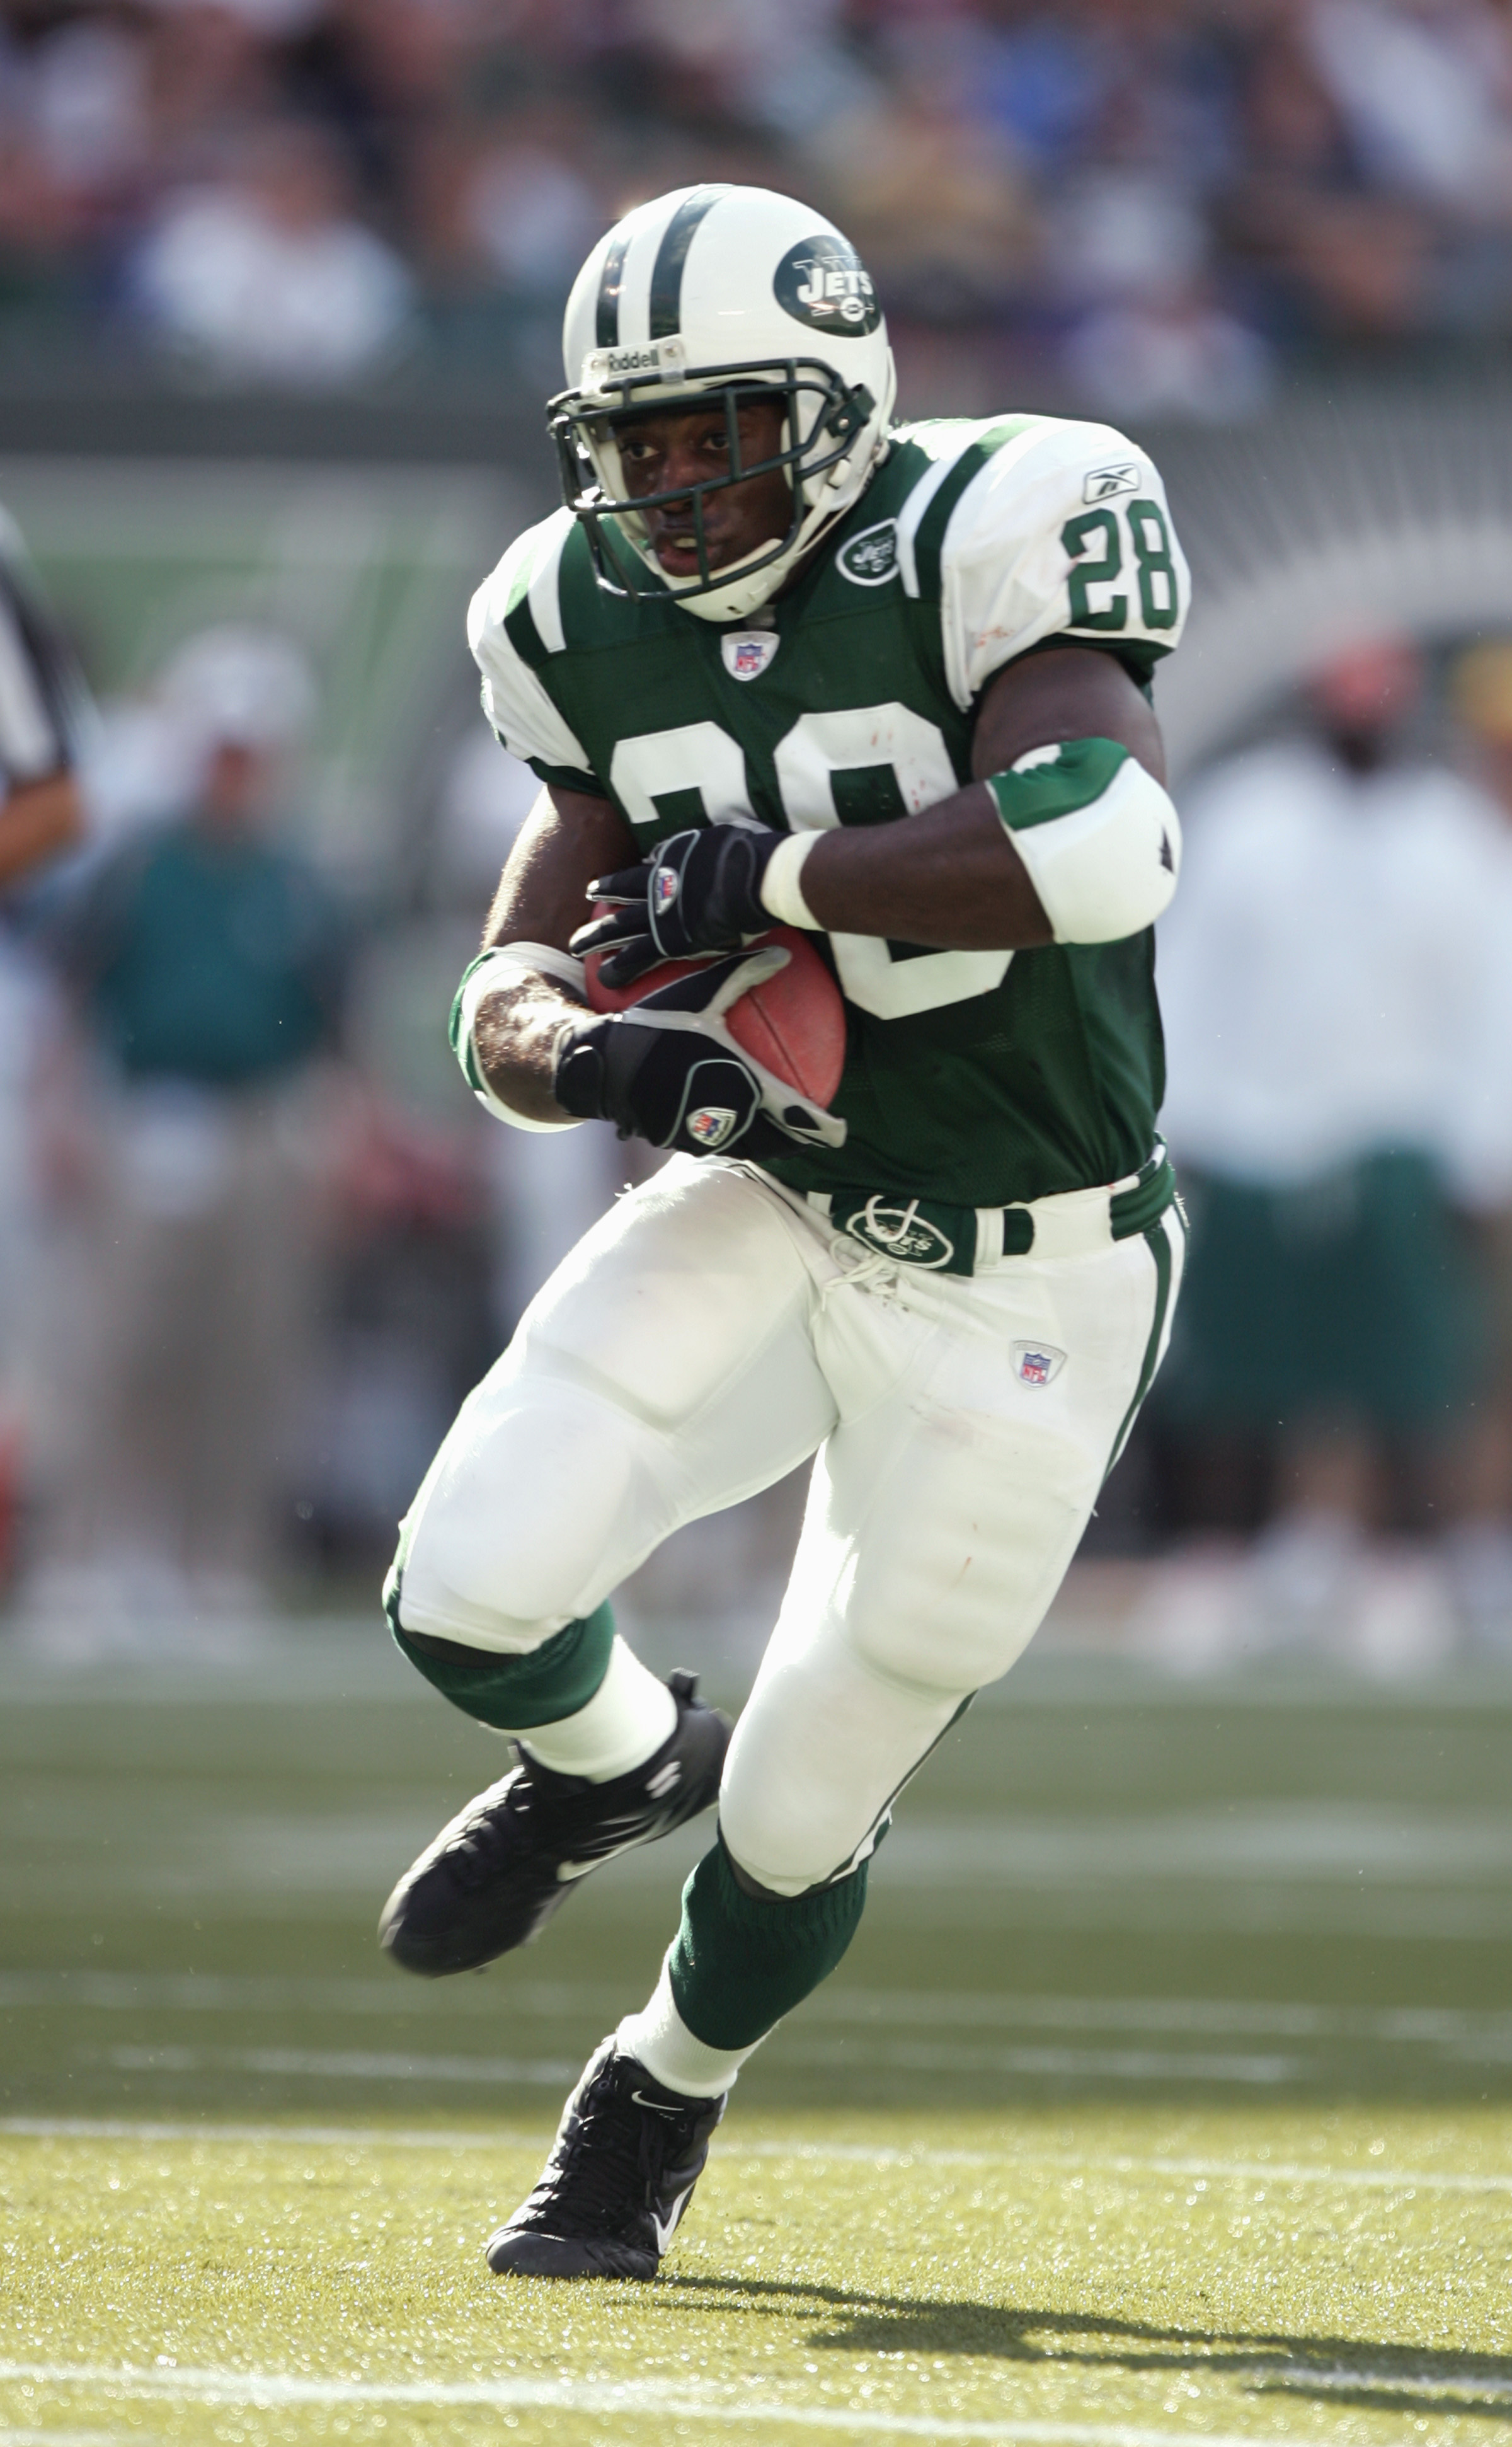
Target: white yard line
[
  {"x": 1109, "y": 2064},
  {"x": 1391, "y": 2179},
  {"x": 304, "y": 2136},
  {"x": 1462, "y": 2031},
  {"x": 350, "y": 2064},
  {"x": 345, "y": 2064},
  {"x": 73, "y": 2438},
  {"x": 641, "y": 2399}
]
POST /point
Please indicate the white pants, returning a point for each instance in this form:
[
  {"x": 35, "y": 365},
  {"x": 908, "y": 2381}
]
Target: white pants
[{"x": 702, "y": 1340}]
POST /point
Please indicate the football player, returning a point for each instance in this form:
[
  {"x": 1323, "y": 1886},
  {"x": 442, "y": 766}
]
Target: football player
[{"x": 780, "y": 659}]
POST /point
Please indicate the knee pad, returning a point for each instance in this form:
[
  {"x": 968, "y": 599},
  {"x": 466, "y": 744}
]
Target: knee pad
[{"x": 538, "y": 1504}]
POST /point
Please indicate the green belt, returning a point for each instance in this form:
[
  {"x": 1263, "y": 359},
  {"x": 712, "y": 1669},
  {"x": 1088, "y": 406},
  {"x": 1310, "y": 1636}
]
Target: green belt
[{"x": 941, "y": 1239}]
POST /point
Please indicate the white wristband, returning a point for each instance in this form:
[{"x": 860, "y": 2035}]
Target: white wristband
[
  {"x": 507, "y": 964},
  {"x": 782, "y": 884}
]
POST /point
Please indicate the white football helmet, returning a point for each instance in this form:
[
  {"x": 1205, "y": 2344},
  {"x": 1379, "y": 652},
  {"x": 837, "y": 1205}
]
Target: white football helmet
[{"x": 709, "y": 296}]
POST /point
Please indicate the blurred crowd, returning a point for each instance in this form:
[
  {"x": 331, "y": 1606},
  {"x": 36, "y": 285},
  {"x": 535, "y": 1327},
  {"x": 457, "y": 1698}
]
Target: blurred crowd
[
  {"x": 1331, "y": 1446},
  {"x": 1137, "y": 208},
  {"x": 255, "y": 1240}
]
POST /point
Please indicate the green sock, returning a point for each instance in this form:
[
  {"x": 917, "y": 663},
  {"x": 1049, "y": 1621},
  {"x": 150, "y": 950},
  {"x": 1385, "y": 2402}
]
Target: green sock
[
  {"x": 510, "y": 1692},
  {"x": 739, "y": 1962}
]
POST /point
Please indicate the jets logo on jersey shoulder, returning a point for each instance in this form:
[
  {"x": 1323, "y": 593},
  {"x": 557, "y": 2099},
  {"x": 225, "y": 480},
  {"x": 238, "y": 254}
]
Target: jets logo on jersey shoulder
[{"x": 870, "y": 559}]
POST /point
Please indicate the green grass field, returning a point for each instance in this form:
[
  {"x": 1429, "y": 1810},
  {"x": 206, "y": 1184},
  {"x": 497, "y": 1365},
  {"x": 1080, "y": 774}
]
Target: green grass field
[{"x": 1166, "y": 2093}]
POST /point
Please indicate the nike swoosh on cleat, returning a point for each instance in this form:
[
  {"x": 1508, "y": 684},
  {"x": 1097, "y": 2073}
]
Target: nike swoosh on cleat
[
  {"x": 665, "y": 2233},
  {"x": 656, "y": 2108},
  {"x": 568, "y": 1869}
]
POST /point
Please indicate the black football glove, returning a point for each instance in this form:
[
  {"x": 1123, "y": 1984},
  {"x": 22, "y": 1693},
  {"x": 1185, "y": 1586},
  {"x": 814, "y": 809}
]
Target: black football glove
[
  {"x": 669, "y": 1071},
  {"x": 697, "y": 894}
]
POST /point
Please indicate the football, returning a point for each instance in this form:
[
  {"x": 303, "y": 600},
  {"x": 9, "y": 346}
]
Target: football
[{"x": 794, "y": 1024}]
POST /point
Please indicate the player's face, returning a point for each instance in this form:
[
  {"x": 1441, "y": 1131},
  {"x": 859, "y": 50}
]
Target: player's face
[{"x": 658, "y": 453}]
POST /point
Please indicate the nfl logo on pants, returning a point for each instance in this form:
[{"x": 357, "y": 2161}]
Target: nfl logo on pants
[{"x": 1037, "y": 1363}]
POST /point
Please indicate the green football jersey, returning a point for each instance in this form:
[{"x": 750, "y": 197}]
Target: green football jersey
[{"x": 978, "y": 1078}]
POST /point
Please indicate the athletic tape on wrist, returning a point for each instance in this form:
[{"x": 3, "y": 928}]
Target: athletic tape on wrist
[
  {"x": 509, "y": 964},
  {"x": 782, "y": 886}
]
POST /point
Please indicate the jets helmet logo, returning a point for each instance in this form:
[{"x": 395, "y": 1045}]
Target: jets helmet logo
[{"x": 823, "y": 282}]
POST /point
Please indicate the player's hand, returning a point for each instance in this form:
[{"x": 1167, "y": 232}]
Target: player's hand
[
  {"x": 699, "y": 894},
  {"x": 669, "y": 1071}
]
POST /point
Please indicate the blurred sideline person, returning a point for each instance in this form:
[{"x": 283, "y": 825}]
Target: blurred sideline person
[
  {"x": 43, "y": 727},
  {"x": 777, "y": 659},
  {"x": 1325, "y": 982},
  {"x": 1480, "y": 1545},
  {"x": 206, "y": 958}
]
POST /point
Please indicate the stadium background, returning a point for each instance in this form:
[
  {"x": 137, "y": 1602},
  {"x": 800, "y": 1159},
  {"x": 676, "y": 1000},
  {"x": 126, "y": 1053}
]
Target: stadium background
[{"x": 1254, "y": 1911}]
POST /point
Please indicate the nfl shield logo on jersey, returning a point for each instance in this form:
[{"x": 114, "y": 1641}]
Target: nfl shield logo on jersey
[
  {"x": 710, "y": 1125},
  {"x": 1037, "y": 1363},
  {"x": 748, "y": 652}
]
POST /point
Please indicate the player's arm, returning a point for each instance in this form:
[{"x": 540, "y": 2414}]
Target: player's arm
[
  {"x": 567, "y": 839},
  {"x": 1068, "y": 837},
  {"x": 668, "y": 1071},
  {"x": 958, "y": 876}
]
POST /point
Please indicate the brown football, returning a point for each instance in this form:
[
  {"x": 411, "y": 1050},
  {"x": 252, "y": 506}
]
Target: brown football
[{"x": 794, "y": 1025}]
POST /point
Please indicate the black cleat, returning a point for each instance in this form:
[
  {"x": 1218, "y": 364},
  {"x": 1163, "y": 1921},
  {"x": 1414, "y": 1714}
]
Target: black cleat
[
  {"x": 621, "y": 2173},
  {"x": 494, "y": 1876}
]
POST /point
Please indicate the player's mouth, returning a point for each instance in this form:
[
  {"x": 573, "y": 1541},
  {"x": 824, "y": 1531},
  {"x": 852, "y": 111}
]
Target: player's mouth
[
  {"x": 674, "y": 541},
  {"x": 676, "y": 548}
]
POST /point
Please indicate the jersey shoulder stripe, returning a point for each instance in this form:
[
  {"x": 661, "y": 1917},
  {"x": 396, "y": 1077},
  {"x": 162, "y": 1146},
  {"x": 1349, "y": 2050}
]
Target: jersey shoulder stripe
[
  {"x": 958, "y": 450},
  {"x": 1038, "y": 526},
  {"x": 513, "y": 627},
  {"x": 526, "y": 591}
]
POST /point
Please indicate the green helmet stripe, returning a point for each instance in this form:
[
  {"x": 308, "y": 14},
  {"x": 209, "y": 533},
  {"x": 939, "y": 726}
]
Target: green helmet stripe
[
  {"x": 611, "y": 280},
  {"x": 667, "y": 272}
]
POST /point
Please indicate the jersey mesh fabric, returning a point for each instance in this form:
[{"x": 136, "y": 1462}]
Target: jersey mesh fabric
[{"x": 978, "y": 1078}]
